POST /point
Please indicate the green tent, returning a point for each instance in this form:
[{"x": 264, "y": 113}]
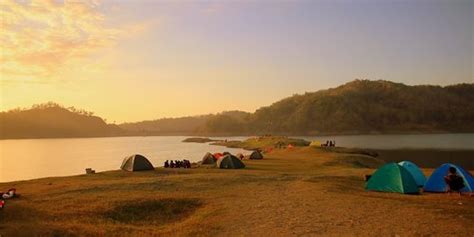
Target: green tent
[
  {"x": 136, "y": 163},
  {"x": 256, "y": 155},
  {"x": 392, "y": 178},
  {"x": 208, "y": 159},
  {"x": 229, "y": 162}
]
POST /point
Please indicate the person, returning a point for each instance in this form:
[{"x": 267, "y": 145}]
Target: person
[
  {"x": 167, "y": 164},
  {"x": 9, "y": 194},
  {"x": 454, "y": 182},
  {"x": 172, "y": 165},
  {"x": 330, "y": 143},
  {"x": 334, "y": 143}
]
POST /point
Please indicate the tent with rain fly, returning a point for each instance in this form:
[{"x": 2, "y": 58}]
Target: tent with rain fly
[
  {"x": 437, "y": 184},
  {"x": 415, "y": 171},
  {"x": 256, "y": 155},
  {"x": 229, "y": 162},
  {"x": 208, "y": 159},
  {"x": 136, "y": 163},
  {"x": 392, "y": 178}
]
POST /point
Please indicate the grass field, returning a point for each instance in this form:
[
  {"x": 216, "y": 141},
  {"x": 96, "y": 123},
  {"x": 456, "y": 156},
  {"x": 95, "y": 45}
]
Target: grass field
[{"x": 299, "y": 192}]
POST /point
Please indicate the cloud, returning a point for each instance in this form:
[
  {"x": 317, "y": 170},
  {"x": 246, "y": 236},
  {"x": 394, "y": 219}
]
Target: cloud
[{"x": 40, "y": 38}]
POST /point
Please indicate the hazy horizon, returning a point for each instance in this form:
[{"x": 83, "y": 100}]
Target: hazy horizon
[{"x": 133, "y": 61}]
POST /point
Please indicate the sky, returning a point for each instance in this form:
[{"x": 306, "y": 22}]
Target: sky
[{"x": 147, "y": 59}]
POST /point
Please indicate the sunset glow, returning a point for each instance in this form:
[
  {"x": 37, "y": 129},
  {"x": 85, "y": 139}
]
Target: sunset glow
[{"x": 137, "y": 60}]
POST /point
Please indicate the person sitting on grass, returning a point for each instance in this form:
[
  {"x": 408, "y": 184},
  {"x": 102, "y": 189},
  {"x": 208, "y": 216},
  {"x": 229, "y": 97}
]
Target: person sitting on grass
[
  {"x": 11, "y": 193},
  {"x": 172, "y": 165},
  {"x": 453, "y": 181},
  {"x": 167, "y": 164}
]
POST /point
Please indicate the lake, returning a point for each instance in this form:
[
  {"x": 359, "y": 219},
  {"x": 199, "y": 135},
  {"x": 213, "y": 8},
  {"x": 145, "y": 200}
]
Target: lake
[{"x": 36, "y": 158}]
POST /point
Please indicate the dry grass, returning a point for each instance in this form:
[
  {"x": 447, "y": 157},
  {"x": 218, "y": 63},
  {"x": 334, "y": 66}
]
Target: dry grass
[{"x": 290, "y": 192}]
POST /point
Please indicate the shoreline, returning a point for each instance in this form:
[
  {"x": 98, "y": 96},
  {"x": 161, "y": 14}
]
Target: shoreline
[
  {"x": 315, "y": 189},
  {"x": 424, "y": 158}
]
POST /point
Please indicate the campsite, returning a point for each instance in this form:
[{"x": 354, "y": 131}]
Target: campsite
[
  {"x": 262, "y": 118},
  {"x": 304, "y": 190}
]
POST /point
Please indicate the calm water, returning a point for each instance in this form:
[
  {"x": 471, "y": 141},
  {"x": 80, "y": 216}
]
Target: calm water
[
  {"x": 36, "y": 158},
  {"x": 437, "y": 141}
]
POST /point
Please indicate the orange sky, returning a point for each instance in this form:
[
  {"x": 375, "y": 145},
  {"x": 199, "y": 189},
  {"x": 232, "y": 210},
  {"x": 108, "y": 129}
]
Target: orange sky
[{"x": 137, "y": 60}]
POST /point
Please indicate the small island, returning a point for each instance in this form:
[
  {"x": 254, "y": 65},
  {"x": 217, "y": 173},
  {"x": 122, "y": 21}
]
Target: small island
[{"x": 199, "y": 140}]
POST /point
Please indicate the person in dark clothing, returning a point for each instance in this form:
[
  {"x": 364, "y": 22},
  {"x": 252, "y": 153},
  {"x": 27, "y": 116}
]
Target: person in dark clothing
[
  {"x": 454, "y": 182},
  {"x": 167, "y": 164},
  {"x": 172, "y": 165}
]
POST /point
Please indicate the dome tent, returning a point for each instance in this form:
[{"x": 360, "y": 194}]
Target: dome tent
[
  {"x": 136, "y": 163},
  {"x": 392, "y": 178},
  {"x": 229, "y": 162},
  {"x": 208, "y": 159},
  {"x": 437, "y": 184},
  {"x": 415, "y": 171},
  {"x": 256, "y": 155}
]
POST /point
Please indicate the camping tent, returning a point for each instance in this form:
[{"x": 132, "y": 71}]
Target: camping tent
[
  {"x": 256, "y": 155},
  {"x": 437, "y": 184},
  {"x": 136, "y": 163},
  {"x": 315, "y": 143},
  {"x": 230, "y": 162},
  {"x": 218, "y": 155},
  {"x": 208, "y": 159},
  {"x": 419, "y": 177},
  {"x": 393, "y": 178}
]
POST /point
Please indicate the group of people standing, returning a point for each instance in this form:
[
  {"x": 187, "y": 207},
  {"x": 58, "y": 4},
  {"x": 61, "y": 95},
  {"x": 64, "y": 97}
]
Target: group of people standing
[
  {"x": 329, "y": 143},
  {"x": 177, "y": 164}
]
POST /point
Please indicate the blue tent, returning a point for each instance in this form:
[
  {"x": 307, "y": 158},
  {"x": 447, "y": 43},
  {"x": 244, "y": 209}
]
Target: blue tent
[
  {"x": 419, "y": 177},
  {"x": 437, "y": 184}
]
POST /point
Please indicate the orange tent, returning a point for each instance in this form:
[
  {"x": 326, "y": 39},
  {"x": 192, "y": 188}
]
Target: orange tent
[{"x": 218, "y": 155}]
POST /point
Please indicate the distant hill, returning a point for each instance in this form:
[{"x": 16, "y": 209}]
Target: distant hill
[
  {"x": 358, "y": 107},
  {"x": 228, "y": 122},
  {"x": 51, "y": 120},
  {"x": 364, "y": 106}
]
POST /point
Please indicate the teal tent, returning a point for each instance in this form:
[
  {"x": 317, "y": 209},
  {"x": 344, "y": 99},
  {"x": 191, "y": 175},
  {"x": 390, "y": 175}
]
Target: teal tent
[
  {"x": 392, "y": 178},
  {"x": 415, "y": 171}
]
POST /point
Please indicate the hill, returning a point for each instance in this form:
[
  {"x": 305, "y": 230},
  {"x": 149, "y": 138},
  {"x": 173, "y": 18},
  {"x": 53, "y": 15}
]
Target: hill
[
  {"x": 51, "y": 120},
  {"x": 364, "y": 106},
  {"x": 358, "y": 107},
  {"x": 225, "y": 123}
]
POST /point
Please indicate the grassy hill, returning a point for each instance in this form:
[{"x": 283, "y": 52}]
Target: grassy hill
[{"x": 51, "y": 120}]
